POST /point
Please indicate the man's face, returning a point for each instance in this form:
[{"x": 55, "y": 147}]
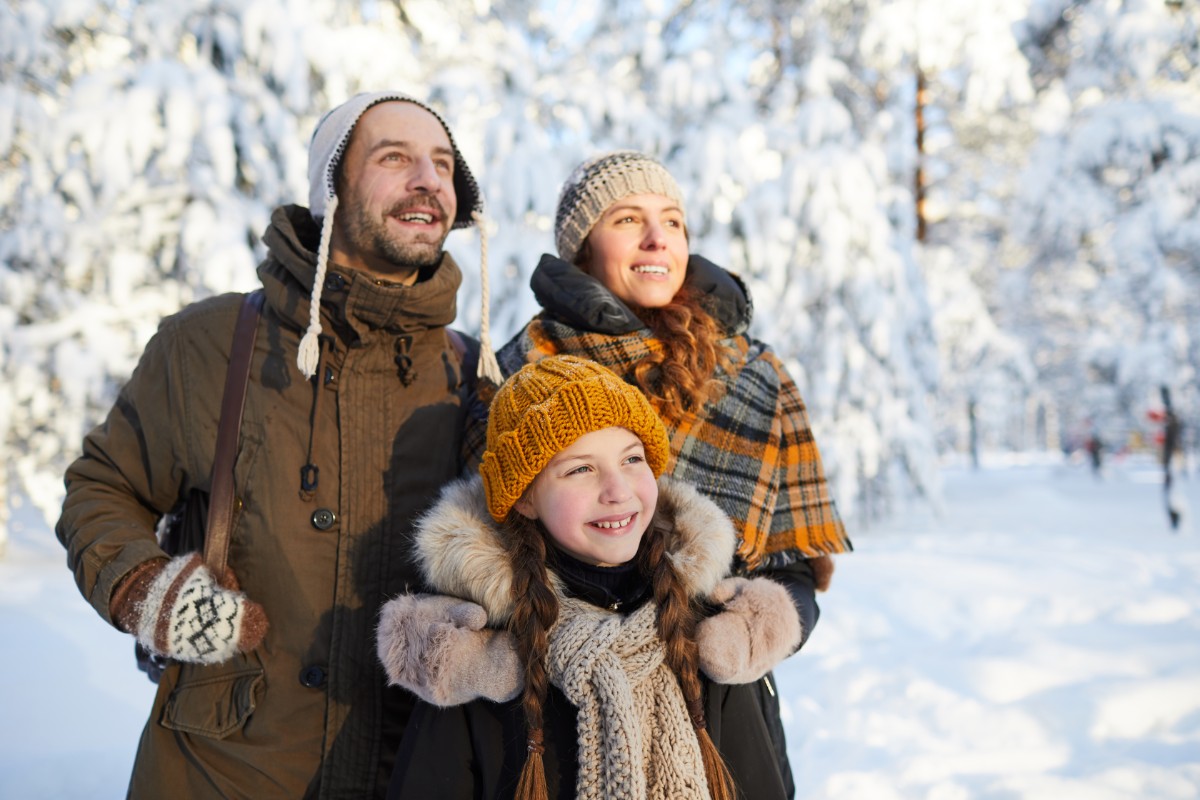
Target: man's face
[{"x": 396, "y": 201}]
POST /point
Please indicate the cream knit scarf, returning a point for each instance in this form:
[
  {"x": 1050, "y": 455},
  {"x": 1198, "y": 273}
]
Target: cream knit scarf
[{"x": 636, "y": 740}]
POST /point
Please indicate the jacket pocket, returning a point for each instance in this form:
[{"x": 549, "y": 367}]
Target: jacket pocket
[{"x": 214, "y": 701}]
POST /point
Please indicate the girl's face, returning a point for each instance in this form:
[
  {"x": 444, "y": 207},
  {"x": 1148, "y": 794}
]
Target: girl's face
[
  {"x": 596, "y": 497},
  {"x": 639, "y": 250}
]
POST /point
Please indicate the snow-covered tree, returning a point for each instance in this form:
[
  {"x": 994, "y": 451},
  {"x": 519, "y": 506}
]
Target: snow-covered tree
[
  {"x": 1110, "y": 209},
  {"x": 147, "y": 143}
]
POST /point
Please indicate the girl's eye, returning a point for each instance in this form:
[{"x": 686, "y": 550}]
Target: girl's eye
[
  {"x": 635, "y": 459},
  {"x": 580, "y": 470}
]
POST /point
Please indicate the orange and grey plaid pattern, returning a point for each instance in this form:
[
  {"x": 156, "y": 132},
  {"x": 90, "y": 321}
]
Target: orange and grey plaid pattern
[{"x": 752, "y": 451}]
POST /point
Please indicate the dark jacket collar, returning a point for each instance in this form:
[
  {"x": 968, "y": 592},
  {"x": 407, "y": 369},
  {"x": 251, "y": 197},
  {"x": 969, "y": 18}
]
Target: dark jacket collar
[
  {"x": 357, "y": 303},
  {"x": 570, "y": 296}
]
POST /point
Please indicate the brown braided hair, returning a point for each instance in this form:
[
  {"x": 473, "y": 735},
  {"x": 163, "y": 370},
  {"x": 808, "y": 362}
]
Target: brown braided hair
[
  {"x": 677, "y": 620},
  {"x": 534, "y": 612}
]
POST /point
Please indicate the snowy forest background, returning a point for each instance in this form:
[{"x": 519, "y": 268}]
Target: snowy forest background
[{"x": 964, "y": 225}]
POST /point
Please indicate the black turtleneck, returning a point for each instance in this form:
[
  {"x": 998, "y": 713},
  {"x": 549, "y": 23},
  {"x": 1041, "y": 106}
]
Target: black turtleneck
[{"x": 619, "y": 588}]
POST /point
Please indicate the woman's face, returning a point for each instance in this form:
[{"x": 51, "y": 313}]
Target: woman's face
[{"x": 638, "y": 249}]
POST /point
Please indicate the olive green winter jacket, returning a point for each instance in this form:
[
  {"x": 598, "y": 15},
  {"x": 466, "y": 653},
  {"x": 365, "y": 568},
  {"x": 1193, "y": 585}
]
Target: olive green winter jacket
[{"x": 307, "y": 713}]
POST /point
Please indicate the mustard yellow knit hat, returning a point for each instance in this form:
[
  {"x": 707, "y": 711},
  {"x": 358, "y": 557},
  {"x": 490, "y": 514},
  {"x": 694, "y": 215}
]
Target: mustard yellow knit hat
[{"x": 543, "y": 408}]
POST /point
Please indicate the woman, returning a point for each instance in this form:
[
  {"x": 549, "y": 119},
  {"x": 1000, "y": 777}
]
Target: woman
[{"x": 625, "y": 292}]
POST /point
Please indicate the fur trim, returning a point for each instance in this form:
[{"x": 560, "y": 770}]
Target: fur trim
[
  {"x": 705, "y": 539},
  {"x": 461, "y": 551}
]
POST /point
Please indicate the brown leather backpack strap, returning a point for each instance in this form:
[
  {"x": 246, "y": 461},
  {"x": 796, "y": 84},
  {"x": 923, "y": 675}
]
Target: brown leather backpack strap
[{"x": 233, "y": 401}]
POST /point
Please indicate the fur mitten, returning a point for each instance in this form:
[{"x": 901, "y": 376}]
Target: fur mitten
[
  {"x": 438, "y": 649},
  {"x": 757, "y": 628},
  {"x": 177, "y": 609}
]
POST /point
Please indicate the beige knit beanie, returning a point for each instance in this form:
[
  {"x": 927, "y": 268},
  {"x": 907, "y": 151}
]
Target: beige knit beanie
[{"x": 597, "y": 184}]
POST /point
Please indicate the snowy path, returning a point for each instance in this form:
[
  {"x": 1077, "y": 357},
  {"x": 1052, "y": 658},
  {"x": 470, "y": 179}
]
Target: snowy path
[{"x": 1039, "y": 641}]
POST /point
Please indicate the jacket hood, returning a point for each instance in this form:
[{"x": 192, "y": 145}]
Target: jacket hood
[
  {"x": 461, "y": 551},
  {"x": 357, "y": 303},
  {"x": 576, "y": 298}
]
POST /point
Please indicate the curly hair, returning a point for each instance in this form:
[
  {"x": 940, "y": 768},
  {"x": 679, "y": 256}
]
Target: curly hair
[{"x": 681, "y": 376}]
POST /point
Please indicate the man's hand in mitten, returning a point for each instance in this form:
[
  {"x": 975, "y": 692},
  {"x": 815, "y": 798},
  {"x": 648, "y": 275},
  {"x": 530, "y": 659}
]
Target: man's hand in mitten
[
  {"x": 176, "y": 609},
  {"x": 437, "y": 648},
  {"x": 756, "y": 628}
]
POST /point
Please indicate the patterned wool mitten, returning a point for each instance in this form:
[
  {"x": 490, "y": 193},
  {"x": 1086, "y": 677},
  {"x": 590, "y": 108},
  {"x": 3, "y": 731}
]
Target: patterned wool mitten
[
  {"x": 438, "y": 649},
  {"x": 176, "y": 609},
  {"x": 757, "y": 628}
]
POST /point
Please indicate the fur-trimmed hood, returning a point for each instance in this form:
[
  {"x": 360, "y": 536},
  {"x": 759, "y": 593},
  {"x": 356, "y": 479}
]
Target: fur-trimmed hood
[{"x": 461, "y": 551}]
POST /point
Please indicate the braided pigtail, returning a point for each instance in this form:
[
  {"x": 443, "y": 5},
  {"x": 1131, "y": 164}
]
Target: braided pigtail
[
  {"x": 677, "y": 619},
  {"x": 535, "y": 611}
]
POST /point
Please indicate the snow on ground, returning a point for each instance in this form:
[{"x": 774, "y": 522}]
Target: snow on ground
[{"x": 1036, "y": 641}]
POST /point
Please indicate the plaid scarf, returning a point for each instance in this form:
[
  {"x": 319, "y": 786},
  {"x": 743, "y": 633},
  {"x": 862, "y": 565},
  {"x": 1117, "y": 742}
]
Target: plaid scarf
[{"x": 752, "y": 451}]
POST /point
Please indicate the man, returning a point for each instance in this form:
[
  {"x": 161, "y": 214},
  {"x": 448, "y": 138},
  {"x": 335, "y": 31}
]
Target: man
[{"x": 352, "y": 423}]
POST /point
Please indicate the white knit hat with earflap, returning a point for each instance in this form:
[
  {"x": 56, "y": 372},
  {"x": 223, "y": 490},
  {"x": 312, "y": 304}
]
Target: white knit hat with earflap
[{"x": 329, "y": 142}]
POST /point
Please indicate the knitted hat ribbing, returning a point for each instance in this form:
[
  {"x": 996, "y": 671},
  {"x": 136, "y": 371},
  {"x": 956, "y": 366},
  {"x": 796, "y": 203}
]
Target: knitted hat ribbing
[
  {"x": 329, "y": 141},
  {"x": 545, "y": 407},
  {"x": 597, "y": 184}
]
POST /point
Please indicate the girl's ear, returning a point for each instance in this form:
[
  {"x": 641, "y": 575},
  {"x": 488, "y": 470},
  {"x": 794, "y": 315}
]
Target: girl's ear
[{"x": 524, "y": 507}]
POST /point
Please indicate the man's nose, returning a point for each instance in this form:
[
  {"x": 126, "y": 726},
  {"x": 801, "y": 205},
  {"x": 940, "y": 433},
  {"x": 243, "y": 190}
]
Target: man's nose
[{"x": 425, "y": 176}]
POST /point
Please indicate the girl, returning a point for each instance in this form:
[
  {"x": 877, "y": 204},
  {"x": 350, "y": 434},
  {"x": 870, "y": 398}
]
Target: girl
[{"x": 605, "y": 578}]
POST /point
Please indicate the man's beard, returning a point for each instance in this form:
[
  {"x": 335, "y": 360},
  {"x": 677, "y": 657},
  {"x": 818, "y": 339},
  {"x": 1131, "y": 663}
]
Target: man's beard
[{"x": 370, "y": 234}]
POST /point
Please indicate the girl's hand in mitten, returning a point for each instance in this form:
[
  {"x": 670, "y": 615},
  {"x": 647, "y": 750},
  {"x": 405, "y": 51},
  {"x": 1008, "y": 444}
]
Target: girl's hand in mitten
[
  {"x": 756, "y": 628},
  {"x": 437, "y": 648}
]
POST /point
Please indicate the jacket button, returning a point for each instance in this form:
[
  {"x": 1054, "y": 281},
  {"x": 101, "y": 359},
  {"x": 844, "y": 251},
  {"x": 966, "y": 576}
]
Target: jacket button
[
  {"x": 323, "y": 519},
  {"x": 335, "y": 283},
  {"x": 312, "y": 676}
]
